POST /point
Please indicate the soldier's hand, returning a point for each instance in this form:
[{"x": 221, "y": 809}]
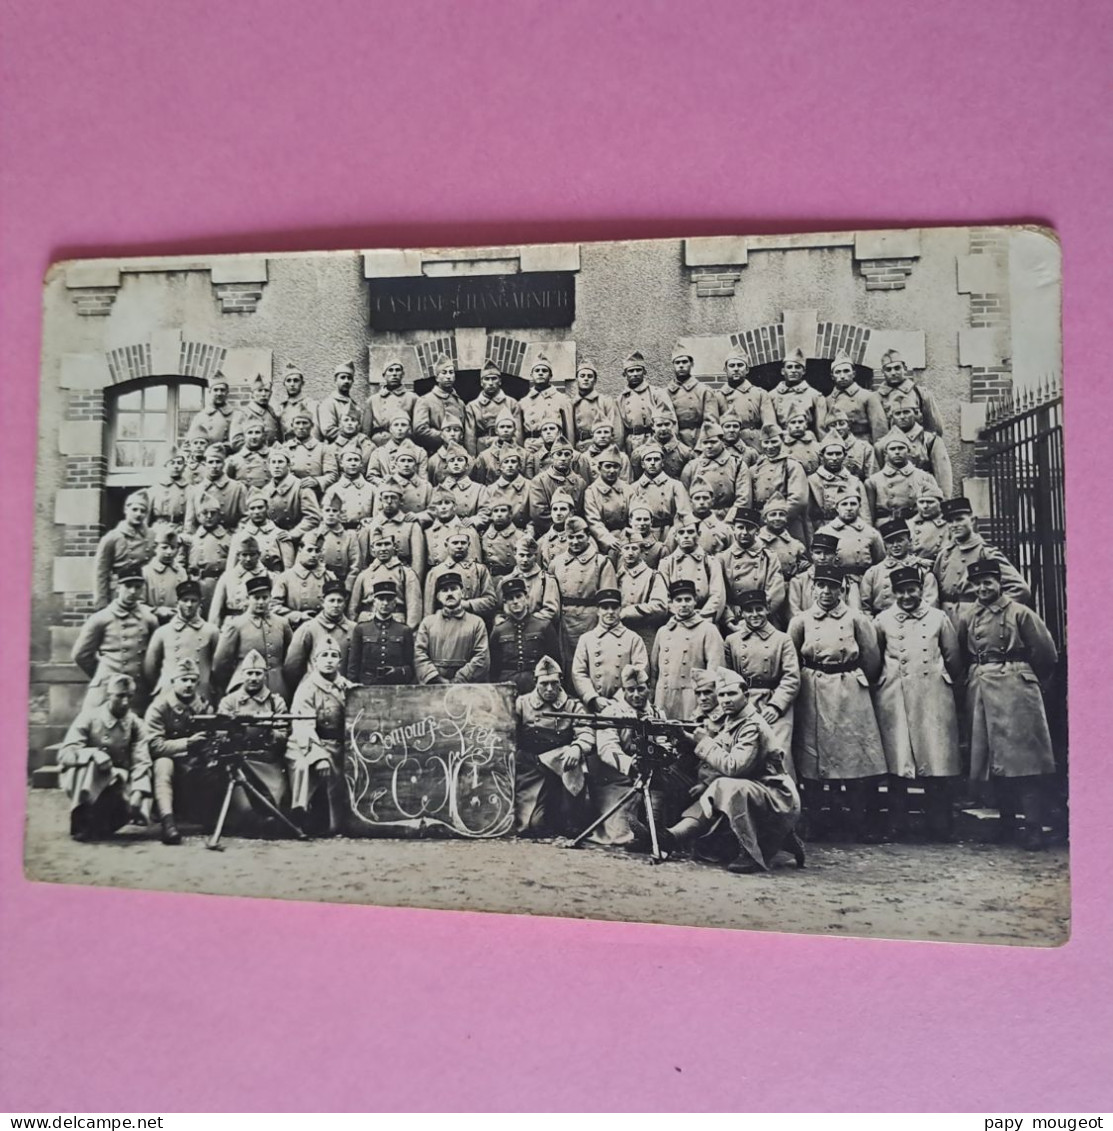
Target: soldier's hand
[
  {"x": 770, "y": 715},
  {"x": 571, "y": 757},
  {"x": 102, "y": 758},
  {"x": 700, "y": 734},
  {"x": 196, "y": 740}
]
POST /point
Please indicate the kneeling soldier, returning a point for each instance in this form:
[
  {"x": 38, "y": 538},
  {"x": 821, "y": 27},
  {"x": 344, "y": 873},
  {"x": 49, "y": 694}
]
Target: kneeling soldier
[{"x": 381, "y": 650}]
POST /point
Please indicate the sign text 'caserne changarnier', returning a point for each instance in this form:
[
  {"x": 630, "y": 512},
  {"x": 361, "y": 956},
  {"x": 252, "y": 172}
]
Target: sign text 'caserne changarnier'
[{"x": 497, "y": 302}]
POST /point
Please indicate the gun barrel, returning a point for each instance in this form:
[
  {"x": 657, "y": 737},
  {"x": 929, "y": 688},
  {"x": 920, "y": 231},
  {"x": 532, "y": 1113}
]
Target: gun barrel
[
  {"x": 620, "y": 721},
  {"x": 253, "y": 720}
]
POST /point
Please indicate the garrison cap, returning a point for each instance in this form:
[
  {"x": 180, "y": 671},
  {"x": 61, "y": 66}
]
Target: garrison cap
[
  {"x": 737, "y": 355},
  {"x": 187, "y": 666},
  {"x": 541, "y": 362},
  {"x": 774, "y": 503},
  {"x": 841, "y": 358},
  {"x": 442, "y": 361},
  {"x": 291, "y": 370},
  {"x": 832, "y": 440},
  {"x": 703, "y": 680},
  {"x": 346, "y": 369},
  {"x": 651, "y": 448},
  {"x": 490, "y": 369},
  {"x": 771, "y": 431},
  {"x": 678, "y": 351},
  {"x": 700, "y": 487},
  {"x": 796, "y": 355},
  {"x": 634, "y": 673},
  {"x": 727, "y": 679},
  {"x": 586, "y": 367},
  {"x": 633, "y": 360},
  {"x": 546, "y": 667},
  {"x": 253, "y": 661},
  {"x": 560, "y": 444},
  {"x": 711, "y": 430},
  {"x": 609, "y": 455},
  {"x": 120, "y": 681}
]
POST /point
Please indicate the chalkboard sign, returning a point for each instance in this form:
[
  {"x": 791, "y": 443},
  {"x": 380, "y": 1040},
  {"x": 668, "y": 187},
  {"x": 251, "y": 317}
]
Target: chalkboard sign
[{"x": 437, "y": 759}]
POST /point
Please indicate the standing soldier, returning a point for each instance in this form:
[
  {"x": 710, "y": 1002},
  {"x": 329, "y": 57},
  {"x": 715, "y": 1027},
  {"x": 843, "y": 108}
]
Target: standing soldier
[
  {"x": 168, "y": 496},
  {"x": 795, "y": 395},
  {"x": 776, "y": 473},
  {"x": 399, "y": 437},
  {"x": 409, "y": 539},
  {"x": 830, "y": 481},
  {"x": 638, "y": 402},
  {"x": 607, "y": 502},
  {"x": 214, "y": 421},
  {"x": 877, "y": 582},
  {"x": 864, "y": 411},
  {"x": 306, "y": 451},
  {"x": 727, "y": 474},
  {"x": 498, "y": 540},
  {"x": 1010, "y": 654},
  {"x": 664, "y": 496},
  {"x": 484, "y": 411},
  {"x": 767, "y": 659},
  {"x": 257, "y": 410},
  {"x": 915, "y": 702},
  {"x": 684, "y": 642},
  {"x": 162, "y": 574},
  {"x": 339, "y": 541},
  {"x": 555, "y": 540},
  {"x": 747, "y": 565},
  {"x": 860, "y": 545},
  {"x": 451, "y": 644},
  {"x": 248, "y": 465},
  {"x": 231, "y": 496},
  {"x": 442, "y": 504},
  {"x": 106, "y": 766},
  {"x": 928, "y": 526},
  {"x": 441, "y": 403},
  {"x": 645, "y": 596},
  {"x": 899, "y": 384},
  {"x": 589, "y": 407},
  {"x": 458, "y": 483},
  {"x": 602, "y": 444},
  {"x": 348, "y": 439},
  {"x": 508, "y": 487},
  {"x": 263, "y": 531},
  {"x": 926, "y": 450},
  {"x": 580, "y": 572},
  {"x": 835, "y": 735},
  {"x": 230, "y": 595},
  {"x": 185, "y": 637},
  {"x": 129, "y": 543},
  {"x": 541, "y": 587},
  {"x": 542, "y": 403},
  {"x": 712, "y": 533},
  {"x": 557, "y": 477},
  {"x": 386, "y": 565},
  {"x": 299, "y": 590},
  {"x": 208, "y": 549},
  {"x": 293, "y": 381},
  {"x": 260, "y": 630},
  {"x": 774, "y": 536},
  {"x": 387, "y": 402},
  {"x": 801, "y": 589},
  {"x": 800, "y": 443},
  {"x": 693, "y": 402},
  {"x": 291, "y": 503},
  {"x": 338, "y": 403},
  {"x": 861, "y": 459},
  {"x": 962, "y": 548},
  {"x": 381, "y": 650},
  {"x": 479, "y": 590},
  {"x": 354, "y": 490},
  {"x": 604, "y": 651},
  {"x": 893, "y": 490},
  {"x": 750, "y": 404},
  {"x": 691, "y": 562},
  {"x": 314, "y": 753},
  {"x": 550, "y": 754},
  {"x": 520, "y": 639},
  {"x": 329, "y": 623}
]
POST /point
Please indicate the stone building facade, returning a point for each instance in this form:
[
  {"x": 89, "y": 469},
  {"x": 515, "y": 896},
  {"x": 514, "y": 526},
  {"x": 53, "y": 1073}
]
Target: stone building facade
[{"x": 129, "y": 346}]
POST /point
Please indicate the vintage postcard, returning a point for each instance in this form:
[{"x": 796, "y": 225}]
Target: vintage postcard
[{"x": 716, "y": 581}]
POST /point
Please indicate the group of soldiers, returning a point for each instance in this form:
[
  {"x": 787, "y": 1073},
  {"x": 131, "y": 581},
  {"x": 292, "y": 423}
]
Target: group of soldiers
[{"x": 789, "y": 571}]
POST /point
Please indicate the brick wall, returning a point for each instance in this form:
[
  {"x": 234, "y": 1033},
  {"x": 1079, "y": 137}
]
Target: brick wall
[
  {"x": 86, "y": 406},
  {"x": 715, "y": 282},
  {"x": 80, "y": 541},
  {"x": 988, "y": 310},
  {"x": 762, "y": 344},
  {"x": 85, "y": 471},
  {"x": 885, "y": 274},
  {"x": 77, "y": 607},
  {"x": 238, "y": 298}
]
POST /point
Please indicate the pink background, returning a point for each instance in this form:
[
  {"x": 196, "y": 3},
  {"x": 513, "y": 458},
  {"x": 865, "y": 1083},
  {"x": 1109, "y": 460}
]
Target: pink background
[{"x": 204, "y": 127}]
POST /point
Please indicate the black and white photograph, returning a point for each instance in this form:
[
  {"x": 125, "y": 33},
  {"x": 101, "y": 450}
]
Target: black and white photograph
[{"x": 716, "y": 582}]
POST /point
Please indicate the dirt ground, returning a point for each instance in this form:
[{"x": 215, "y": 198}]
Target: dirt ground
[{"x": 963, "y": 892}]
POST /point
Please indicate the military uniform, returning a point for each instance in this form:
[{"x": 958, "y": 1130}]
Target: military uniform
[
  {"x": 864, "y": 411},
  {"x": 253, "y": 413},
  {"x": 553, "y": 543},
  {"x": 169, "y": 722},
  {"x": 168, "y": 501},
  {"x": 358, "y": 443},
  {"x": 358, "y": 496},
  {"x": 513, "y": 492},
  {"x": 537, "y": 789},
  {"x": 381, "y": 408},
  {"x": 451, "y": 648},
  {"x": 480, "y": 598},
  {"x": 161, "y": 581},
  {"x": 606, "y": 510},
  {"x": 600, "y": 656},
  {"x": 663, "y": 496},
  {"x": 928, "y": 535},
  {"x": 269, "y": 635},
  {"x": 249, "y": 467},
  {"x": 679, "y": 647},
  {"x": 113, "y": 641},
  {"x": 121, "y": 546},
  {"x": 538, "y": 407},
  {"x": 436, "y": 540},
  {"x": 484, "y": 411},
  {"x": 486, "y": 468},
  {"x": 927, "y": 451},
  {"x": 588, "y": 409},
  {"x": 580, "y": 577},
  {"x": 544, "y": 486},
  {"x": 860, "y": 544},
  {"x": 803, "y": 449},
  {"x": 207, "y": 559},
  {"x": 230, "y": 594},
  {"x": 467, "y": 494},
  {"x": 541, "y": 589},
  {"x": 893, "y": 491},
  {"x": 306, "y": 640},
  {"x": 415, "y": 494},
  {"x": 381, "y": 463},
  {"x": 712, "y": 535},
  {"x": 801, "y": 592},
  {"x": 307, "y": 460},
  {"x": 294, "y": 407},
  {"x": 675, "y": 457},
  {"x": 636, "y": 409},
  {"x": 381, "y": 652},
  {"x": 269, "y": 537},
  {"x": 212, "y": 424},
  {"x": 498, "y": 548},
  {"x": 789, "y": 400},
  {"x": 726, "y": 474},
  {"x": 265, "y": 749},
  {"x": 877, "y": 586},
  {"x": 176, "y": 641},
  {"x": 927, "y": 413},
  {"x": 406, "y": 583},
  {"x": 339, "y": 552},
  {"x": 783, "y": 476},
  {"x": 645, "y": 601},
  {"x": 292, "y": 507},
  {"x": 517, "y": 643},
  {"x": 752, "y": 406},
  {"x": 300, "y": 590},
  {"x": 693, "y": 402},
  {"x": 230, "y": 494},
  {"x": 318, "y": 796},
  {"x": 752, "y": 568},
  {"x": 827, "y": 487},
  {"x": 956, "y": 590},
  {"x": 430, "y": 413},
  {"x": 768, "y": 660},
  {"x": 409, "y": 540},
  {"x": 705, "y": 571},
  {"x": 790, "y": 552},
  {"x": 329, "y": 411}
]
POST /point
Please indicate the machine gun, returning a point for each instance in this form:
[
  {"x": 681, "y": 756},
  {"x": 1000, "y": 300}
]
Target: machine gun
[
  {"x": 228, "y": 746},
  {"x": 652, "y": 759}
]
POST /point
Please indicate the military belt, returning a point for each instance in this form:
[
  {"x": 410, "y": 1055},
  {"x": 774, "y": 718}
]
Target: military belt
[
  {"x": 999, "y": 658},
  {"x": 763, "y": 683},
  {"x": 825, "y": 666},
  {"x": 577, "y": 602},
  {"x": 210, "y": 571}
]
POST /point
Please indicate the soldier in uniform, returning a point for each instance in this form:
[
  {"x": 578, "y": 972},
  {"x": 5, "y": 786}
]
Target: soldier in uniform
[
  {"x": 877, "y": 582},
  {"x": 338, "y": 403},
  {"x": 800, "y": 443},
  {"x": 257, "y": 411},
  {"x": 520, "y": 639},
  {"x": 173, "y": 736},
  {"x": 541, "y": 587},
  {"x": 129, "y": 543},
  {"x": 416, "y": 493},
  {"x": 685, "y": 641},
  {"x": 744, "y": 400},
  {"x": 776, "y": 473},
  {"x": 607, "y": 501},
  {"x": 835, "y": 737},
  {"x": 161, "y": 575},
  {"x": 675, "y": 455},
  {"x": 727, "y": 474},
  {"x": 105, "y": 765},
  {"x": 230, "y": 595},
  {"x": 113, "y": 640},
  {"x": 194, "y": 448},
  {"x": 291, "y": 504},
  {"x": 498, "y": 540},
  {"x": 748, "y": 565},
  {"x": 231, "y": 495},
  {"x": 712, "y": 533},
  {"x": 589, "y": 407},
  {"x": 580, "y": 572},
  {"x": 452, "y": 437},
  {"x": 442, "y": 504},
  {"x": 459, "y": 484},
  {"x": 645, "y": 596},
  {"x": 214, "y": 421},
  {"x": 1009, "y": 654},
  {"x": 554, "y": 541},
  {"x": 293, "y": 381},
  {"x": 915, "y": 701},
  {"x": 441, "y": 403},
  {"x": 899, "y": 384},
  {"x": 693, "y": 402},
  {"x": 542, "y": 403},
  {"x": 267, "y": 535},
  {"x": 508, "y": 487},
  {"x": 484, "y": 411},
  {"x": 664, "y": 496},
  {"x": 328, "y": 623},
  {"x": 928, "y": 526},
  {"x": 558, "y": 477},
  {"x": 861, "y": 461},
  {"x": 926, "y": 450},
  {"x": 550, "y": 756},
  {"x": 306, "y": 451},
  {"x": 742, "y": 768},
  {"x": 451, "y": 644},
  {"x": 691, "y": 562},
  {"x": 767, "y": 659},
  {"x": 207, "y": 558},
  {"x": 709, "y": 714},
  {"x": 479, "y": 590},
  {"x": 349, "y": 439},
  {"x": 354, "y": 490},
  {"x": 604, "y": 651},
  {"x": 864, "y": 411},
  {"x": 640, "y": 518},
  {"x": 405, "y": 529},
  {"x": 185, "y": 636},
  {"x": 485, "y": 470},
  {"x": 382, "y": 647},
  {"x": 801, "y": 588},
  {"x": 260, "y": 630},
  {"x": 339, "y": 540},
  {"x": 248, "y": 464},
  {"x": 386, "y": 565},
  {"x": 314, "y": 754},
  {"x": 298, "y": 591},
  {"x": 541, "y": 457},
  {"x": 860, "y": 545},
  {"x": 398, "y": 437},
  {"x": 774, "y": 536},
  {"x": 893, "y": 490},
  {"x": 602, "y": 444},
  {"x": 638, "y": 403},
  {"x": 794, "y": 395},
  {"x": 962, "y": 548},
  {"x": 830, "y": 481},
  {"x": 168, "y": 496},
  {"x": 387, "y": 402}
]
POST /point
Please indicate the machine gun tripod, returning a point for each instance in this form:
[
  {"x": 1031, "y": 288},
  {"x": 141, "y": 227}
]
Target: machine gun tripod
[
  {"x": 228, "y": 751},
  {"x": 651, "y": 759}
]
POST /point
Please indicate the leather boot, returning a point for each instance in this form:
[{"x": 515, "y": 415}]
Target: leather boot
[
  {"x": 170, "y": 834},
  {"x": 896, "y": 823},
  {"x": 1031, "y": 836},
  {"x": 795, "y": 845}
]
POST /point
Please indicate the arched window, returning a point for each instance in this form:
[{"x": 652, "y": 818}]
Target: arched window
[{"x": 146, "y": 418}]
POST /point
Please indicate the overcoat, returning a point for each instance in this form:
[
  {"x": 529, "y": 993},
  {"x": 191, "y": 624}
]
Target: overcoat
[
  {"x": 679, "y": 647},
  {"x": 769, "y": 662}
]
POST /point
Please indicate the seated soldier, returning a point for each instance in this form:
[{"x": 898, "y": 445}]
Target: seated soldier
[
  {"x": 450, "y": 645},
  {"x": 314, "y": 754},
  {"x": 105, "y": 765},
  {"x": 520, "y": 639},
  {"x": 709, "y": 714},
  {"x": 550, "y": 756},
  {"x": 743, "y": 769},
  {"x": 174, "y": 739},
  {"x": 382, "y": 647},
  {"x": 385, "y": 565}
]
